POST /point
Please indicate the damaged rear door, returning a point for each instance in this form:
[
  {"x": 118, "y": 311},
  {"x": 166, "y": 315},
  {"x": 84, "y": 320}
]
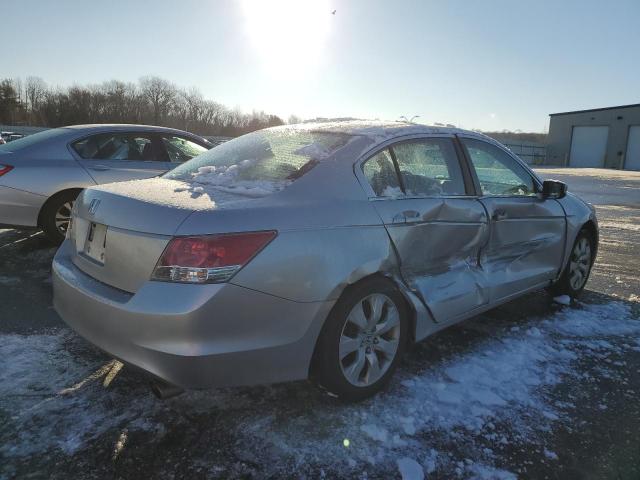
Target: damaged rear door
[{"x": 424, "y": 196}]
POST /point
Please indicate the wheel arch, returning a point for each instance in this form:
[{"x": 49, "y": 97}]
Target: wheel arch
[
  {"x": 54, "y": 197},
  {"x": 414, "y": 308},
  {"x": 591, "y": 228}
]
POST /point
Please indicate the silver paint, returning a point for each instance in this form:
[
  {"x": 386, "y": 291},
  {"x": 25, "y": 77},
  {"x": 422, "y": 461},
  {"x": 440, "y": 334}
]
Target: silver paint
[
  {"x": 450, "y": 257},
  {"x": 52, "y": 166},
  {"x": 369, "y": 340}
]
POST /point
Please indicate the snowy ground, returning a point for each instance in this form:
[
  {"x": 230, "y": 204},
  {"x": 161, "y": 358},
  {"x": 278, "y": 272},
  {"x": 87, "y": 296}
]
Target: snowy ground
[{"x": 532, "y": 389}]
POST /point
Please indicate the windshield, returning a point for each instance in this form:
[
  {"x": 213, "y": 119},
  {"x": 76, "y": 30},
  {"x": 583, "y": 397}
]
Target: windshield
[
  {"x": 29, "y": 140},
  {"x": 261, "y": 162}
]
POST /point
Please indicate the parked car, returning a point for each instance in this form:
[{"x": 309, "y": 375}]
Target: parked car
[
  {"x": 320, "y": 250},
  {"x": 5, "y": 136},
  {"x": 42, "y": 174},
  {"x": 10, "y": 136}
]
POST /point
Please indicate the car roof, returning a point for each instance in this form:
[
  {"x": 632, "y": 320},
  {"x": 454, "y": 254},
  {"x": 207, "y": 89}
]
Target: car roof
[
  {"x": 382, "y": 130},
  {"x": 125, "y": 126}
]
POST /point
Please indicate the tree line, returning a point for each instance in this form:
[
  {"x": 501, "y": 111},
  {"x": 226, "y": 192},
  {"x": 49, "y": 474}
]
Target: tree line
[{"x": 151, "y": 101}]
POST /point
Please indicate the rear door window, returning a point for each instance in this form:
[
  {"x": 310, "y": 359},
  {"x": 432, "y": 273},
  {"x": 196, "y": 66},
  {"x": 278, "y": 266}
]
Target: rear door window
[
  {"x": 116, "y": 146},
  {"x": 382, "y": 176},
  {"x": 180, "y": 149},
  {"x": 429, "y": 167}
]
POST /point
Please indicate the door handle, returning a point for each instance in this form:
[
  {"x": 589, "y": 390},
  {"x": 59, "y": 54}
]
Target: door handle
[
  {"x": 499, "y": 214},
  {"x": 99, "y": 168},
  {"x": 411, "y": 215},
  {"x": 399, "y": 218},
  {"x": 406, "y": 216}
]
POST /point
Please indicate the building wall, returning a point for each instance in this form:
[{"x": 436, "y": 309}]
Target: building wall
[{"x": 561, "y": 128}]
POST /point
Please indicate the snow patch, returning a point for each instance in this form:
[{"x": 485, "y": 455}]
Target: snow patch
[
  {"x": 160, "y": 191},
  {"x": 410, "y": 469},
  {"x": 315, "y": 151},
  {"x": 492, "y": 394},
  {"x": 501, "y": 381},
  {"x": 228, "y": 179},
  {"x": 563, "y": 299},
  {"x": 479, "y": 471},
  {"x": 4, "y": 280},
  {"x": 376, "y": 433},
  {"x": 393, "y": 192},
  {"x": 52, "y": 396}
]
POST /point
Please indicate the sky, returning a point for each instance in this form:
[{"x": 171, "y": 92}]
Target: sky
[{"x": 489, "y": 65}]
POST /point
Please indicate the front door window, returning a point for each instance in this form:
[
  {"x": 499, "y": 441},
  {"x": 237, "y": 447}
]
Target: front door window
[{"x": 498, "y": 173}]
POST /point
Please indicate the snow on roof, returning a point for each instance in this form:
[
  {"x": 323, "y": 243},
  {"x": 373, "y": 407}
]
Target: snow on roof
[{"x": 381, "y": 130}]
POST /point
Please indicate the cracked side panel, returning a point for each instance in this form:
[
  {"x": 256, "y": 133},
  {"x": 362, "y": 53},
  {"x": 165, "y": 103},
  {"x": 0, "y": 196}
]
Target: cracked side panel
[
  {"x": 526, "y": 244},
  {"x": 316, "y": 265},
  {"x": 439, "y": 242},
  {"x": 297, "y": 267}
]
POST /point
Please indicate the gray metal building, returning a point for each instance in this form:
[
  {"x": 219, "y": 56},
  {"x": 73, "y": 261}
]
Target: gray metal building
[{"x": 600, "y": 137}]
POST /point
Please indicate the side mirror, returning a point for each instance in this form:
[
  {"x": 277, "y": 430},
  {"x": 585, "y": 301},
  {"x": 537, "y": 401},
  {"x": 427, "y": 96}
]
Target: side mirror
[{"x": 553, "y": 189}]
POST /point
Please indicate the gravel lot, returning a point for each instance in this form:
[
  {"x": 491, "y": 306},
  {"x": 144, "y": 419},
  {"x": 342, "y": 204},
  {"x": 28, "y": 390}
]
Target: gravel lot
[{"x": 532, "y": 389}]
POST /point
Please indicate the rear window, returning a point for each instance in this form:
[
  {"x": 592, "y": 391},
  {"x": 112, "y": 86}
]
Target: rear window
[
  {"x": 261, "y": 162},
  {"x": 29, "y": 140}
]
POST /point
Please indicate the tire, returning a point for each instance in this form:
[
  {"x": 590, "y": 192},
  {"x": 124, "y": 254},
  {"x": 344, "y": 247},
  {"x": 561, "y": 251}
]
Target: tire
[
  {"x": 576, "y": 273},
  {"x": 55, "y": 214},
  {"x": 368, "y": 359}
]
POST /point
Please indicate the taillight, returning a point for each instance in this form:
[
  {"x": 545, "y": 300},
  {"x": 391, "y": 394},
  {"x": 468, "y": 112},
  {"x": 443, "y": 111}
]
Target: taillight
[
  {"x": 5, "y": 169},
  {"x": 210, "y": 258}
]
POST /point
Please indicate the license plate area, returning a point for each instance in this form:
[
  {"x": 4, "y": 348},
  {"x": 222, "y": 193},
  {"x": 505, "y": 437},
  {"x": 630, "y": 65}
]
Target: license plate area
[{"x": 96, "y": 243}]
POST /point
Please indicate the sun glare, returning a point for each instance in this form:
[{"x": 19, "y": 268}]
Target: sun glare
[{"x": 289, "y": 35}]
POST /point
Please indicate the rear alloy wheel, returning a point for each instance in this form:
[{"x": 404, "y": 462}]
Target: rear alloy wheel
[
  {"x": 56, "y": 216},
  {"x": 63, "y": 216},
  {"x": 370, "y": 340},
  {"x": 362, "y": 341},
  {"x": 576, "y": 273}
]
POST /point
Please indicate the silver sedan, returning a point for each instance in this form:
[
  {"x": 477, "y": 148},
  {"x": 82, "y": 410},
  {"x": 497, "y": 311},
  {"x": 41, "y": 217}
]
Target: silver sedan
[
  {"x": 42, "y": 174},
  {"x": 315, "y": 251}
]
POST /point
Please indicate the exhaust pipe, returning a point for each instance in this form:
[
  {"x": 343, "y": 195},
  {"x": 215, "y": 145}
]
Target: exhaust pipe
[{"x": 164, "y": 390}]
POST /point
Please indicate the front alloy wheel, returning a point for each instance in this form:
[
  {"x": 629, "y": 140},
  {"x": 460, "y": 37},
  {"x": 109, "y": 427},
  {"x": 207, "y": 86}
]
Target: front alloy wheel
[
  {"x": 580, "y": 263},
  {"x": 576, "y": 273}
]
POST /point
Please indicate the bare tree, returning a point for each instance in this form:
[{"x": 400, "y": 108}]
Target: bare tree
[
  {"x": 153, "y": 100},
  {"x": 35, "y": 91},
  {"x": 195, "y": 103},
  {"x": 8, "y": 101},
  {"x": 160, "y": 93}
]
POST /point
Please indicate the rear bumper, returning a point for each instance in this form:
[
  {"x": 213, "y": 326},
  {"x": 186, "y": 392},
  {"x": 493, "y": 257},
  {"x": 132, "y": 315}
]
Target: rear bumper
[
  {"x": 193, "y": 336},
  {"x": 19, "y": 208}
]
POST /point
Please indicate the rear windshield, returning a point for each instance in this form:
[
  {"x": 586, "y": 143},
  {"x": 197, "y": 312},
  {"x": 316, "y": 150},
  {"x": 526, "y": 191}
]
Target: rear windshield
[
  {"x": 29, "y": 140},
  {"x": 261, "y": 162}
]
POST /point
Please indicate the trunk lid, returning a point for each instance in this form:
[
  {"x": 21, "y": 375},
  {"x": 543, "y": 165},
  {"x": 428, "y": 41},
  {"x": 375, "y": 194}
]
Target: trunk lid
[{"x": 140, "y": 217}]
